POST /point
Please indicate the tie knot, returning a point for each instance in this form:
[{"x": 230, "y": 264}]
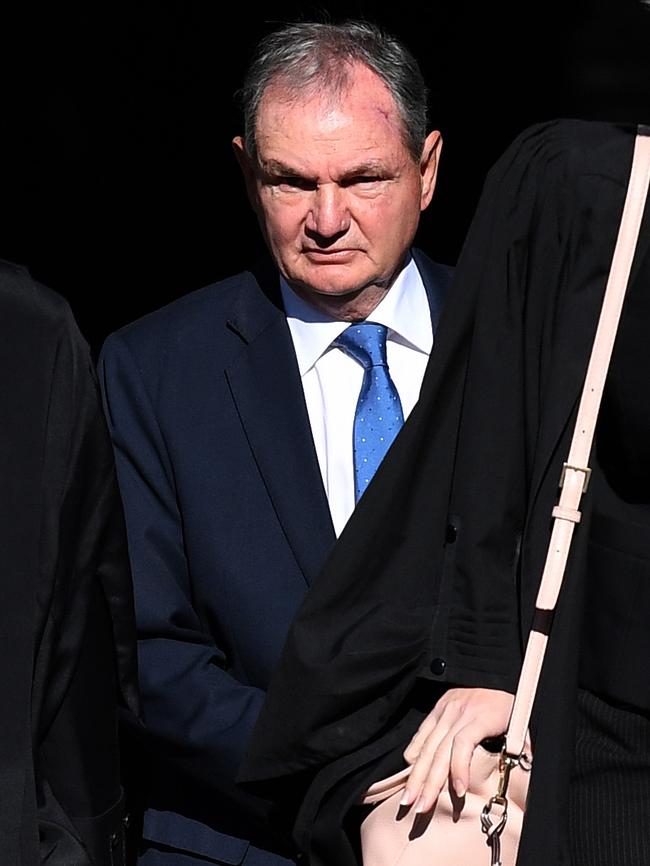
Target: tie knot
[{"x": 365, "y": 342}]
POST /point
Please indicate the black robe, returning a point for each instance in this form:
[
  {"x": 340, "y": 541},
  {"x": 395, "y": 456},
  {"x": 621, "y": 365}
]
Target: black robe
[
  {"x": 434, "y": 579},
  {"x": 67, "y": 646}
]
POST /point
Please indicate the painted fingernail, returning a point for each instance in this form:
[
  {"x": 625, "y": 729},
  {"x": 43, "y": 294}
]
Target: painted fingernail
[
  {"x": 459, "y": 788},
  {"x": 421, "y": 806},
  {"x": 407, "y": 799}
]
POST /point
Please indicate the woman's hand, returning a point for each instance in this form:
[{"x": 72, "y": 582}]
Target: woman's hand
[{"x": 444, "y": 744}]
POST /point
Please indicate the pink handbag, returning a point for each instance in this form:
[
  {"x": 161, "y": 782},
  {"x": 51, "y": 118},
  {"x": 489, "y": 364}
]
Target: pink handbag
[
  {"x": 450, "y": 834},
  {"x": 495, "y": 803}
]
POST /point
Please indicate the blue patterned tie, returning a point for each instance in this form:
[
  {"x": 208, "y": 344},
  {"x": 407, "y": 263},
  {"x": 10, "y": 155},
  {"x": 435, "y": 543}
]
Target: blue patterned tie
[{"x": 378, "y": 416}]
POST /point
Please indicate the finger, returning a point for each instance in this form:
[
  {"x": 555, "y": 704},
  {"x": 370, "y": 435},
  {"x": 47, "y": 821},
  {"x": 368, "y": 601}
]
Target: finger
[
  {"x": 433, "y": 759},
  {"x": 464, "y": 746},
  {"x": 462, "y": 752},
  {"x": 436, "y": 778},
  {"x": 412, "y": 751},
  {"x": 427, "y": 726},
  {"x": 422, "y": 748},
  {"x": 419, "y": 771}
]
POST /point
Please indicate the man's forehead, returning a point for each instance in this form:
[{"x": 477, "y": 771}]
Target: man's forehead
[{"x": 359, "y": 89}]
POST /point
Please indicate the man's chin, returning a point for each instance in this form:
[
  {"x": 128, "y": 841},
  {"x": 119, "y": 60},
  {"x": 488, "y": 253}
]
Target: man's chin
[
  {"x": 330, "y": 284},
  {"x": 344, "y": 301}
]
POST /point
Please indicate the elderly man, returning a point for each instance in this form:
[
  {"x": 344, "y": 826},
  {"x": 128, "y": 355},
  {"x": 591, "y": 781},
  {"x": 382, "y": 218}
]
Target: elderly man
[{"x": 249, "y": 417}]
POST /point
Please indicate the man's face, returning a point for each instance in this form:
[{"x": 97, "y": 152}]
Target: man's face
[{"x": 337, "y": 193}]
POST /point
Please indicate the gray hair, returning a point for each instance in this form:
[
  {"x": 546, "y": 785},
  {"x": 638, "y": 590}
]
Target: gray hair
[{"x": 304, "y": 56}]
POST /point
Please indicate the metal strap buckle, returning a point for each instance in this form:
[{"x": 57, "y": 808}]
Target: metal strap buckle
[
  {"x": 492, "y": 823},
  {"x": 585, "y": 469}
]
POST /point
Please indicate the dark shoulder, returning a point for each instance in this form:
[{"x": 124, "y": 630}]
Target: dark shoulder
[
  {"x": 32, "y": 312},
  {"x": 434, "y": 270},
  {"x": 566, "y": 147},
  {"x": 566, "y": 134},
  {"x": 188, "y": 310},
  {"x": 200, "y": 320},
  {"x": 23, "y": 296}
]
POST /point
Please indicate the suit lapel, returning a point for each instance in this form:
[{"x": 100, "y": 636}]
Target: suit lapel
[
  {"x": 266, "y": 388},
  {"x": 265, "y": 384},
  {"x": 436, "y": 279}
]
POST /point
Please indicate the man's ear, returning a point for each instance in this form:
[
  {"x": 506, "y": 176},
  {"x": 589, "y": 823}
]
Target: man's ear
[
  {"x": 247, "y": 167},
  {"x": 429, "y": 162}
]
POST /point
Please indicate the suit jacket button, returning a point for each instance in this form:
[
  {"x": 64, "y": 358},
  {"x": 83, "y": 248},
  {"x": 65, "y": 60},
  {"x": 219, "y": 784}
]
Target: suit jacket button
[
  {"x": 438, "y": 667},
  {"x": 450, "y": 534},
  {"x": 114, "y": 839}
]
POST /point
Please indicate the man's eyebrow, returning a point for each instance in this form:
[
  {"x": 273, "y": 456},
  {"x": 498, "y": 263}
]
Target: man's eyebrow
[
  {"x": 369, "y": 167},
  {"x": 276, "y": 167}
]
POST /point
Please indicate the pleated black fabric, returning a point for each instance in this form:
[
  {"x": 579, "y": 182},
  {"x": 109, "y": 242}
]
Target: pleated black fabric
[{"x": 609, "y": 813}]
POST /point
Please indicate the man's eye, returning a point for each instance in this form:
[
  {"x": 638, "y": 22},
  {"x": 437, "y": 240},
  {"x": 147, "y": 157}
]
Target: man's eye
[
  {"x": 363, "y": 180},
  {"x": 294, "y": 182}
]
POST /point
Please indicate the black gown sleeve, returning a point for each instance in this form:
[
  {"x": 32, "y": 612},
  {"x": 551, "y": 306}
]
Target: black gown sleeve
[{"x": 85, "y": 664}]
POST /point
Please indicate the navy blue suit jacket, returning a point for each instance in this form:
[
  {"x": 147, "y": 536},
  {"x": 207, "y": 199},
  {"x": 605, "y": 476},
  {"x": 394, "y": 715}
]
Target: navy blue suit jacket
[{"x": 228, "y": 523}]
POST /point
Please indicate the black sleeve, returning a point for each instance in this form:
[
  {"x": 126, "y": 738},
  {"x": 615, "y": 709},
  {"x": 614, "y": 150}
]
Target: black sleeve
[{"x": 85, "y": 644}]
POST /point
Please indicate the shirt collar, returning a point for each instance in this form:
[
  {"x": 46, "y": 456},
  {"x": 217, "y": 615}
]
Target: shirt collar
[{"x": 404, "y": 310}]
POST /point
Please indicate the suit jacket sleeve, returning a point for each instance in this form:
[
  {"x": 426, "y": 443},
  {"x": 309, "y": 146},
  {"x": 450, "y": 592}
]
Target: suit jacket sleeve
[{"x": 198, "y": 717}]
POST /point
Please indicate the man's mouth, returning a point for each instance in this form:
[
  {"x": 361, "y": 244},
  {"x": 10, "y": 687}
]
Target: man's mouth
[{"x": 332, "y": 255}]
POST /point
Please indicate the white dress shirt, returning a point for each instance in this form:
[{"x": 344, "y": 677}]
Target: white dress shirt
[{"x": 331, "y": 379}]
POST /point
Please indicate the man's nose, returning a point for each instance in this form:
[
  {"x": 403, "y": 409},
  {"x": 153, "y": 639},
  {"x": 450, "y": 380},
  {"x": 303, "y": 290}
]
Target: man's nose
[{"x": 328, "y": 215}]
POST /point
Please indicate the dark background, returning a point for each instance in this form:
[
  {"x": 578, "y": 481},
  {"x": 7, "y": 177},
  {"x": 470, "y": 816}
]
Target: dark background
[{"x": 118, "y": 184}]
